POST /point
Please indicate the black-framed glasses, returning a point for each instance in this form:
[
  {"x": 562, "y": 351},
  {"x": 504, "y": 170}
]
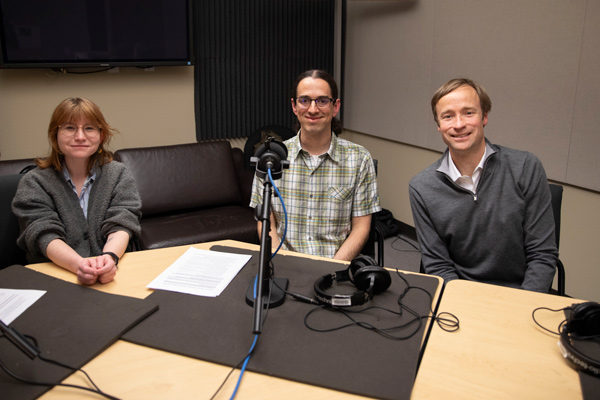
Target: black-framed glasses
[
  {"x": 321, "y": 101},
  {"x": 71, "y": 130}
]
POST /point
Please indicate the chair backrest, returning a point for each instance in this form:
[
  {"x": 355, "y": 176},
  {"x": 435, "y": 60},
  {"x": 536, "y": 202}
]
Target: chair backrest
[
  {"x": 9, "y": 225},
  {"x": 256, "y": 138},
  {"x": 556, "y": 191},
  {"x": 375, "y": 236}
]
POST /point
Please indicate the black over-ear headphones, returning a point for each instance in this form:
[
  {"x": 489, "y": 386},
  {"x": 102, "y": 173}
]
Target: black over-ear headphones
[
  {"x": 584, "y": 321},
  {"x": 368, "y": 277}
]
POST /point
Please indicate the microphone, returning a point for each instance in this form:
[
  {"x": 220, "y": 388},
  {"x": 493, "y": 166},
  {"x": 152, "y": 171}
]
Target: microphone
[
  {"x": 272, "y": 155},
  {"x": 19, "y": 340}
]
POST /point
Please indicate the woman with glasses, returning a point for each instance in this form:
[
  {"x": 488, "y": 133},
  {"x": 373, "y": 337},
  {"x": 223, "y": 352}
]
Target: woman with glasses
[{"x": 78, "y": 208}]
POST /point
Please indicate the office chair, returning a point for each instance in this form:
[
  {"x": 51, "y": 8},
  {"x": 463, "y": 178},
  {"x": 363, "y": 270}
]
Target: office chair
[
  {"x": 556, "y": 191},
  {"x": 375, "y": 236},
  {"x": 280, "y": 133}
]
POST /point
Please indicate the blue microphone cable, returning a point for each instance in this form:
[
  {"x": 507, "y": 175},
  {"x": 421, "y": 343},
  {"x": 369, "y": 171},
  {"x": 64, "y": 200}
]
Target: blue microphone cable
[
  {"x": 247, "y": 359},
  {"x": 284, "y": 212},
  {"x": 244, "y": 367}
]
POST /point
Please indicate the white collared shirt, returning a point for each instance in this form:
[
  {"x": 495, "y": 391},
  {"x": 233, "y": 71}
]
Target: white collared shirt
[{"x": 468, "y": 182}]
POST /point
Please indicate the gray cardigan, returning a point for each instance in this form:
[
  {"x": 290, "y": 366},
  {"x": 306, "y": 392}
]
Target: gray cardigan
[
  {"x": 504, "y": 235},
  {"x": 48, "y": 209}
]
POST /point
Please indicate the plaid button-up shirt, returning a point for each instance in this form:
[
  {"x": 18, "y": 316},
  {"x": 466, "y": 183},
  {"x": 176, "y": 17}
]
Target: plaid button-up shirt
[{"x": 321, "y": 195}]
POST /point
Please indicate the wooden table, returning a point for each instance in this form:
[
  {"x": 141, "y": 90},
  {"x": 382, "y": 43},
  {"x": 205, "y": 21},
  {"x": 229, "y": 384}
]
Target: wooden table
[
  {"x": 499, "y": 352},
  {"x": 130, "y": 371}
]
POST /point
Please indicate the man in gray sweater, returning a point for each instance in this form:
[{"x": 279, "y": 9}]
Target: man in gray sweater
[{"x": 482, "y": 212}]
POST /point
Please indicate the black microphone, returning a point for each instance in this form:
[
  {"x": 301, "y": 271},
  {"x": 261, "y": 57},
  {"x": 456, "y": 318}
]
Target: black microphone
[
  {"x": 19, "y": 340},
  {"x": 272, "y": 155}
]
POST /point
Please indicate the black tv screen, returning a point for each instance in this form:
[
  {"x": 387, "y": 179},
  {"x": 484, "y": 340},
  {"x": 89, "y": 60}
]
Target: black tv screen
[{"x": 94, "y": 33}]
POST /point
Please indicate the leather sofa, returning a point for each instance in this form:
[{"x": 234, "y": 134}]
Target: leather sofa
[
  {"x": 9, "y": 225},
  {"x": 192, "y": 193},
  {"x": 13, "y": 167}
]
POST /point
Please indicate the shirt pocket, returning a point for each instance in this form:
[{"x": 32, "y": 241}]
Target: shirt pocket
[{"x": 340, "y": 193}]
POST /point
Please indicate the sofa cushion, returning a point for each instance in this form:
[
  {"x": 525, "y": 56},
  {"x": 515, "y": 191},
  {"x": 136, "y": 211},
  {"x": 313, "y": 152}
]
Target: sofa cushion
[
  {"x": 229, "y": 222},
  {"x": 172, "y": 179}
]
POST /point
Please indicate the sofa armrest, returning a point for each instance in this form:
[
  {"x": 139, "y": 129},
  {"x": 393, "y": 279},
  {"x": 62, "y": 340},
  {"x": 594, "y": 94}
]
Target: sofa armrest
[{"x": 245, "y": 176}]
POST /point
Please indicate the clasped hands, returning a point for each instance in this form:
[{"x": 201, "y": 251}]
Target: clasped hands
[{"x": 96, "y": 269}]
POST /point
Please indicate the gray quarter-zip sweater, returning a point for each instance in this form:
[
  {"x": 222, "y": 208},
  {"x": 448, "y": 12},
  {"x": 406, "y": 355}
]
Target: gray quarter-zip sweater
[{"x": 502, "y": 235}]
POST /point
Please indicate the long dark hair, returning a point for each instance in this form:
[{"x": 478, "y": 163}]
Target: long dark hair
[{"x": 336, "y": 124}]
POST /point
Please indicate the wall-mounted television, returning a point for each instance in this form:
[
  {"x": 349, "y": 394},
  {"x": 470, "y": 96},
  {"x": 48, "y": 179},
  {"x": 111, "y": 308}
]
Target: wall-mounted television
[{"x": 95, "y": 33}]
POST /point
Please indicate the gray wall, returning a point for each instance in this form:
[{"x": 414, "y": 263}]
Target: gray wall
[{"x": 538, "y": 60}]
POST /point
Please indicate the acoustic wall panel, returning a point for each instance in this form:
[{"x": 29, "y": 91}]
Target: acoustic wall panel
[
  {"x": 584, "y": 156},
  {"x": 388, "y": 69},
  {"x": 248, "y": 53},
  {"x": 538, "y": 60}
]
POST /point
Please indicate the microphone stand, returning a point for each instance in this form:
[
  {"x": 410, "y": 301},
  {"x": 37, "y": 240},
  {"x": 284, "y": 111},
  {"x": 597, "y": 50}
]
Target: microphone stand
[
  {"x": 263, "y": 292},
  {"x": 266, "y": 291}
]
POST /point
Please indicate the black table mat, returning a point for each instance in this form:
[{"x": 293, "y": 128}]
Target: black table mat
[
  {"x": 71, "y": 323},
  {"x": 353, "y": 359}
]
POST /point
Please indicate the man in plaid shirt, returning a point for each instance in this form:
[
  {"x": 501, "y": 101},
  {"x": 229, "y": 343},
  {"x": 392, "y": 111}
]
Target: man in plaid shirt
[{"x": 330, "y": 188}]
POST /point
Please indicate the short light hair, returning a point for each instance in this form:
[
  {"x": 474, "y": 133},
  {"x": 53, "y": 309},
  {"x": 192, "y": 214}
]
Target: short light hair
[{"x": 452, "y": 85}]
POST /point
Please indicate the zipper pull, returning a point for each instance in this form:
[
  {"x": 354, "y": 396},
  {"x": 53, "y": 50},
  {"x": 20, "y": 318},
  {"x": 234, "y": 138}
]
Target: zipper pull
[{"x": 474, "y": 197}]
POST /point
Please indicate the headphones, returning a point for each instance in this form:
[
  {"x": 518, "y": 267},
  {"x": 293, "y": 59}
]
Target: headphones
[
  {"x": 368, "y": 277},
  {"x": 584, "y": 321}
]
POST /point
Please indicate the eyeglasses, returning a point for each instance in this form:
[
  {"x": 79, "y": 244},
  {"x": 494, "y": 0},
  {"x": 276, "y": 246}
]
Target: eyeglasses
[
  {"x": 321, "y": 102},
  {"x": 71, "y": 130}
]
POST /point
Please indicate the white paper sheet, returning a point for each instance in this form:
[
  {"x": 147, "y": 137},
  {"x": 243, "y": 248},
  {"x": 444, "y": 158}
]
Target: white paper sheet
[
  {"x": 13, "y": 302},
  {"x": 200, "y": 272}
]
